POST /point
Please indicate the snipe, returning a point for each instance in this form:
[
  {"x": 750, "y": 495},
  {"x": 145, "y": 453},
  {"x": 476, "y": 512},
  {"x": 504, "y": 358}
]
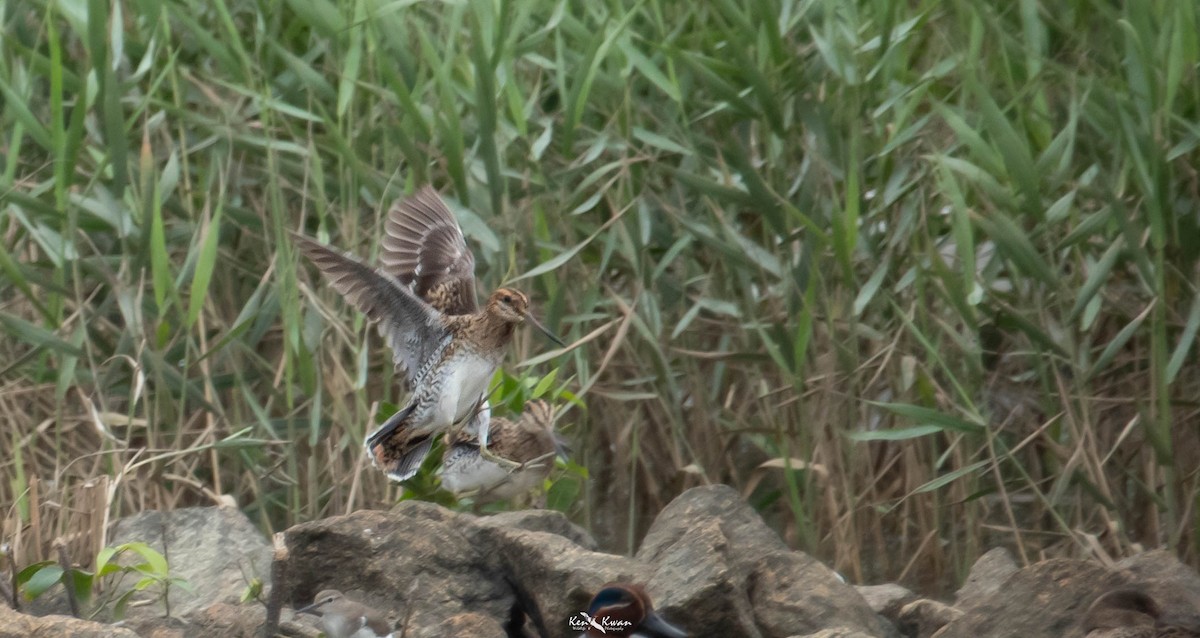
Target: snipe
[
  {"x": 445, "y": 347},
  {"x": 529, "y": 441}
]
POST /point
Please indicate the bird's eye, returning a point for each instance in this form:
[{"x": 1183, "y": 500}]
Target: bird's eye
[{"x": 506, "y": 299}]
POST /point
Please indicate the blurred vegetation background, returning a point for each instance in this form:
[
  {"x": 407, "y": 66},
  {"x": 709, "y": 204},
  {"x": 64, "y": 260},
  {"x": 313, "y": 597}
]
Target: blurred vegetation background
[{"x": 918, "y": 278}]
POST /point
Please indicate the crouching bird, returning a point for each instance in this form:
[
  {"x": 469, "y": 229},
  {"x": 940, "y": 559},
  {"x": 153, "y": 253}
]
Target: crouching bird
[
  {"x": 529, "y": 440},
  {"x": 345, "y": 618}
]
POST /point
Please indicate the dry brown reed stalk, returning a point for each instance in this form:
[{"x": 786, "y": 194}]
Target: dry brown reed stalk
[
  {"x": 64, "y": 561},
  {"x": 279, "y": 585}
]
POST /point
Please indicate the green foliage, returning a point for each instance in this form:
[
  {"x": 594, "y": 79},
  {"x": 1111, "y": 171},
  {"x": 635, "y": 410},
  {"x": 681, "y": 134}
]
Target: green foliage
[{"x": 149, "y": 568}]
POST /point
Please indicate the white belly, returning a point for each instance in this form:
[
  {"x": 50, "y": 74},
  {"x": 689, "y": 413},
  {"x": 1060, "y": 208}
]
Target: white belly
[
  {"x": 465, "y": 383},
  {"x": 467, "y": 472},
  {"x": 336, "y": 626}
]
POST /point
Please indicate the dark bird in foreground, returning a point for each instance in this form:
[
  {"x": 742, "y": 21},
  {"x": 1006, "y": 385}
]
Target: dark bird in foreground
[
  {"x": 423, "y": 300},
  {"x": 625, "y": 610}
]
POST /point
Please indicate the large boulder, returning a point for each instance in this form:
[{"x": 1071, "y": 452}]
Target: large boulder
[
  {"x": 709, "y": 562},
  {"x": 17, "y": 625},
  {"x": 717, "y": 562},
  {"x": 987, "y": 576},
  {"x": 1049, "y": 599},
  {"x": 436, "y": 568},
  {"x": 215, "y": 549}
]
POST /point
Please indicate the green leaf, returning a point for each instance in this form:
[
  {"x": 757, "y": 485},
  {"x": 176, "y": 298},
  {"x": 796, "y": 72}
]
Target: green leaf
[
  {"x": 123, "y": 603},
  {"x": 155, "y": 562},
  {"x": 950, "y": 477},
  {"x": 931, "y": 417},
  {"x": 351, "y": 63},
  {"x": 37, "y": 336},
  {"x": 1097, "y": 276},
  {"x": 1118, "y": 342},
  {"x": 544, "y": 384},
  {"x": 1014, "y": 148},
  {"x": 650, "y": 71},
  {"x": 898, "y": 434},
  {"x": 43, "y": 579},
  {"x": 1016, "y": 245},
  {"x": 206, "y": 262},
  {"x": 868, "y": 290},
  {"x": 1186, "y": 339}
]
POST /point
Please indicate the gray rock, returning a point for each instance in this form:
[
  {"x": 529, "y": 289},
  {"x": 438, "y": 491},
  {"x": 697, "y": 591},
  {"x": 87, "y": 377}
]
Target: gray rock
[
  {"x": 225, "y": 620},
  {"x": 722, "y": 571},
  {"x": 468, "y": 624},
  {"x": 840, "y": 632},
  {"x": 548, "y": 521},
  {"x": 1174, "y": 585},
  {"x": 886, "y": 600},
  {"x": 555, "y": 575},
  {"x": 925, "y": 618},
  {"x": 986, "y": 577},
  {"x": 696, "y": 587},
  {"x": 213, "y": 548},
  {"x": 709, "y": 563},
  {"x": 1049, "y": 599},
  {"x": 1043, "y": 600},
  {"x": 17, "y": 625},
  {"x": 430, "y": 565},
  {"x": 418, "y": 560}
]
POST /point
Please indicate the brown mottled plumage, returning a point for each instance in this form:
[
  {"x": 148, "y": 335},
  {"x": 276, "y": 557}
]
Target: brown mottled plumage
[
  {"x": 528, "y": 441},
  {"x": 423, "y": 300},
  {"x": 1132, "y": 613},
  {"x": 424, "y": 248}
]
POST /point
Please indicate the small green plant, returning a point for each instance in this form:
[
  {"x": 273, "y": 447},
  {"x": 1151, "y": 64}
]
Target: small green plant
[{"x": 151, "y": 571}]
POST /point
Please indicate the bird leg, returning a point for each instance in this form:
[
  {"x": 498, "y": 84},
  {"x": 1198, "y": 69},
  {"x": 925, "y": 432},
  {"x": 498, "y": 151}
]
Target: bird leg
[
  {"x": 509, "y": 466},
  {"x": 533, "y": 463}
]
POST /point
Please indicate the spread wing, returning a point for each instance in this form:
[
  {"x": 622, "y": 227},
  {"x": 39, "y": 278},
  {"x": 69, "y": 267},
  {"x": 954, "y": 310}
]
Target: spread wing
[
  {"x": 413, "y": 329},
  {"x": 423, "y": 247}
]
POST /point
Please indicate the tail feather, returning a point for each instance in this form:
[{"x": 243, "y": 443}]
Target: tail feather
[
  {"x": 385, "y": 431},
  {"x": 395, "y": 449},
  {"x": 401, "y": 464}
]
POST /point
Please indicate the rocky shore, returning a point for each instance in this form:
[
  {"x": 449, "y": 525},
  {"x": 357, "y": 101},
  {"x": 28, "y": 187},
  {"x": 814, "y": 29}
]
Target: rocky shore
[{"x": 709, "y": 562}]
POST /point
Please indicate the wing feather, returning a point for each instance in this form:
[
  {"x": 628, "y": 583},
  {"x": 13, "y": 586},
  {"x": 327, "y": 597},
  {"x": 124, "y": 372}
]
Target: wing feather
[
  {"x": 413, "y": 329},
  {"x": 423, "y": 247}
]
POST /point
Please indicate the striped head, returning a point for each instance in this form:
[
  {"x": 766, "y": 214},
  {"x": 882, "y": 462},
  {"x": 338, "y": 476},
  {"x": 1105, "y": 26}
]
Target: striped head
[
  {"x": 509, "y": 305},
  {"x": 512, "y": 307}
]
